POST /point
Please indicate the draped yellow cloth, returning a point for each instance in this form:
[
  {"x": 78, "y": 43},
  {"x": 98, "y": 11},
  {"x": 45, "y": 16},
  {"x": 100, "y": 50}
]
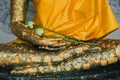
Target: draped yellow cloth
[{"x": 81, "y": 19}]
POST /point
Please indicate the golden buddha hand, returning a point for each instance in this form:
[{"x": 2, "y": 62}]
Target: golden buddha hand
[{"x": 18, "y": 27}]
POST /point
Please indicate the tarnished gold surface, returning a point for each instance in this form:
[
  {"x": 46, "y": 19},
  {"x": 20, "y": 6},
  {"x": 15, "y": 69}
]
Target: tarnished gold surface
[{"x": 29, "y": 59}]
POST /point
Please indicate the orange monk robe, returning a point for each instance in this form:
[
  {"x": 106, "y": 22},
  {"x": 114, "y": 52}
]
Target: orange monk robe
[{"x": 81, "y": 19}]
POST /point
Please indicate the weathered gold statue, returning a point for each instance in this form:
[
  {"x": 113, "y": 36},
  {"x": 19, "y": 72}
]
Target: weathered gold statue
[{"x": 33, "y": 53}]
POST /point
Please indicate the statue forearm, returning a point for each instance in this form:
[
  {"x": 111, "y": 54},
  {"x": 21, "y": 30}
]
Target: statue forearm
[
  {"x": 18, "y": 10},
  {"x": 18, "y": 16}
]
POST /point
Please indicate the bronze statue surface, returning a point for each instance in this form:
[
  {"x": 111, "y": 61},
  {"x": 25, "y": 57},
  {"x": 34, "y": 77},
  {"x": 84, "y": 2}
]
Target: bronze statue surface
[{"x": 55, "y": 56}]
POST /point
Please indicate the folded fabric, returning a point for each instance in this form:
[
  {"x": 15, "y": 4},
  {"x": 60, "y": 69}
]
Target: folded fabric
[{"x": 80, "y": 19}]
